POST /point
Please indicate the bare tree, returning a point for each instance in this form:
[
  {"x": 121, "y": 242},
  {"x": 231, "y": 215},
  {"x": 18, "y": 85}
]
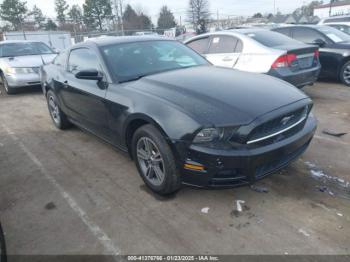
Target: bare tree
[
  {"x": 118, "y": 14},
  {"x": 198, "y": 14}
]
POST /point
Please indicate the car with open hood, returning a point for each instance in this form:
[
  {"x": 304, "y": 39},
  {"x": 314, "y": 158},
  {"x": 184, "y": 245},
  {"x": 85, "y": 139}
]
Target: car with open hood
[
  {"x": 20, "y": 62},
  {"x": 182, "y": 120}
]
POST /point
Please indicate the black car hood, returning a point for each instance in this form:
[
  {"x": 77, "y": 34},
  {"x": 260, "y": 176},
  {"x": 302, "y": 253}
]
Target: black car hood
[{"x": 220, "y": 96}]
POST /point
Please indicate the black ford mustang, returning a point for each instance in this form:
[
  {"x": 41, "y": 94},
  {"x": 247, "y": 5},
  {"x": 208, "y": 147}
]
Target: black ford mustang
[{"x": 181, "y": 119}]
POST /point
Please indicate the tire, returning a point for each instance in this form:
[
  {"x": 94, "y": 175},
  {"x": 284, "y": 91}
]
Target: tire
[
  {"x": 9, "y": 90},
  {"x": 2, "y": 246},
  {"x": 157, "y": 165},
  {"x": 344, "y": 74},
  {"x": 59, "y": 118}
]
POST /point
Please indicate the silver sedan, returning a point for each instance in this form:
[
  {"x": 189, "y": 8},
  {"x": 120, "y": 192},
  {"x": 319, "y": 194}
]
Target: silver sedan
[{"x": 20, "y": 62}]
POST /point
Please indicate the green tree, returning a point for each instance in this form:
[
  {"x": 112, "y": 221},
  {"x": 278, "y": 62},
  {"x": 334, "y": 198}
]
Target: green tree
[
  {"x": 96, "y": 12},
  {"x": 258, "y": 15},
  {"x": 75, "y": 14},
  {"x": 308, "y": 9},
  {"x": 14, "y": 12},
  {"x": 130, "y": 18},
  {"x": 38, "y": 16},
  {"x": 50, "y": 25},
  {"x": 198, "y": 15},
  {"x": 61, "y": 7},
  {"x": 166, "y": 19}
]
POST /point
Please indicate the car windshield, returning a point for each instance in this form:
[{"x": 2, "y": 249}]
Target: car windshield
[
  {"x": 131, "y": 61},
  {"x": 334, "y": 34},
  {"x": 271, "y": 39},
  {"x": 23, "y": 49}
]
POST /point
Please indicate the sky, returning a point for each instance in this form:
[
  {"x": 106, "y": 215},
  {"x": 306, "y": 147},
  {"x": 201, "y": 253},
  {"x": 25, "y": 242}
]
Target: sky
[{"x": 223, "y": 8}]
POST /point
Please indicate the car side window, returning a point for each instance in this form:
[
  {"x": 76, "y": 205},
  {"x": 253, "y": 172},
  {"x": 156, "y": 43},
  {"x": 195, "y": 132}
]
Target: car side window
[
  {"x": 199, "y": 45},
  {"x": 60, "y": 60},
  {"x": 307, "y": 35},
  {"x": 222, "y": 44},
  {"x": 82, "y": 59}
]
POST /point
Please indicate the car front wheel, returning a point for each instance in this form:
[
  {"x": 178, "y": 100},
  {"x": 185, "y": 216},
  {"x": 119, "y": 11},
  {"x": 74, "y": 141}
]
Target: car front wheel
[
  {"x": 345, "y": 74},
  {"x": 58, "y": 117},
  {"x": 9, "y": 90},
  {"x": 155, "y": 161}
]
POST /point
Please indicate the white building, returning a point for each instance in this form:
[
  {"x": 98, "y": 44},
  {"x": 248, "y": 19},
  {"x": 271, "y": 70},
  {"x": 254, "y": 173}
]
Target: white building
[{"x": 337, "y": 8}]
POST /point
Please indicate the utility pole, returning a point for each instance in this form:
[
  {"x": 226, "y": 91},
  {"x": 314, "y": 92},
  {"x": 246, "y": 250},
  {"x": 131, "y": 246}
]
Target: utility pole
[
  {"x": 274, "y": 7},
  {"x": 330, "y": 7}
]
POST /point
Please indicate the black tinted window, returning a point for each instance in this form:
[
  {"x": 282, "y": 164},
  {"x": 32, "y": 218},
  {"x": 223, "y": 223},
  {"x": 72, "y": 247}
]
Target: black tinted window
[
  {"x": 82, "y": 59},
  {"x": 200, "y": 45},
  {"x": 307, "y": 35},
  {"x": 222, "y": 44},
  {"x": 285, "y": 31},
  {"x": 271, "y": 39}
]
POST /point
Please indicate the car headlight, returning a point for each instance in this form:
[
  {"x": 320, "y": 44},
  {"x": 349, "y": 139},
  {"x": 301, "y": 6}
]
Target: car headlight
[
  {"x": 19, "y": 70},
  {"x": 212, "y": 135}
]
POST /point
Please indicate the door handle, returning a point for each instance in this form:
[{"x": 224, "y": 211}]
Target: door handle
[
  {"x": 227, "y": 59},
  {"x": 65, "y": 84}
]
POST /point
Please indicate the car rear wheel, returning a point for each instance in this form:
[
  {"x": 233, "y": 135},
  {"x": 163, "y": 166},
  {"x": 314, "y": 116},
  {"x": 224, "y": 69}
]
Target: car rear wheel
[
  {"x": 58, "y": 117},
  {"x": 345, "y": 74},
  {"x": 9, "y": 90},
  {"x": 155, "y": 161}
]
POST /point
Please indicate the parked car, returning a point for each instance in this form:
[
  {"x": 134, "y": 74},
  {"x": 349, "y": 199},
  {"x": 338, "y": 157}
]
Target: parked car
[
  {"x": 260, "y": 51},
  {"x": 343, "y": 19},
  {"x": 334, "y": 48},
  {"x": 20, "y": 62},
  {"x": 145, "y": 33},
  {"x": 344, "y": 28},
  {"x": 2, "y": 246},
  {"x": 181, "y": 119}
]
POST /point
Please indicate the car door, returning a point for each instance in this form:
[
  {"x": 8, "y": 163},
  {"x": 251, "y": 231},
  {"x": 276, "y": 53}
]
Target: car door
[
  {"x": 328, "y": 59},
  {"x": 86, "y": 98},
  {"x": 222, "y": 51},
  {"x": 58, "y": 73}
]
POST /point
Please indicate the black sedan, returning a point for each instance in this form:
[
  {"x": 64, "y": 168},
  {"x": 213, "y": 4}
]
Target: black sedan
[
  {"x": 182, "y": 120},
  {"x": 334, "y": 48}
]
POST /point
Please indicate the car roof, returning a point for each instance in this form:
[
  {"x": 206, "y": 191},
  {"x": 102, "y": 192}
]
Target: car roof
[
  {"x": 18, "y": 41},
  {"x": 110, "y": 40}
]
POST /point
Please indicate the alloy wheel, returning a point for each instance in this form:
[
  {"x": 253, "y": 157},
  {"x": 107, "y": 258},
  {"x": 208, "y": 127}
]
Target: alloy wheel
[
  {"x": 54, "y": 110},
  {"x": 150, "y": 161},
  {"x": 346, "y": 74}
]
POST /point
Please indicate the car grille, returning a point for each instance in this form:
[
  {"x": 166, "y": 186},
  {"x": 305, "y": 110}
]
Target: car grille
[{"x": 279, "y": 126}]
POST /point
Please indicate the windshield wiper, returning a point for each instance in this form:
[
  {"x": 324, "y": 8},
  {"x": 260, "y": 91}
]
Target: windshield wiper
[{"x": 132, "y": 79}]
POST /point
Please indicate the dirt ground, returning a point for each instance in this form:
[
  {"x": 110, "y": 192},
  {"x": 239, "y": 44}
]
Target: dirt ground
[{"x": 70, "y": 193}]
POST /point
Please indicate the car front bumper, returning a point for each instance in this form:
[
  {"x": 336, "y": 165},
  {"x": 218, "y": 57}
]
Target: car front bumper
[
  {"x": 23, "y": 80},
  {"x": 298, "y": 79},
  {"x": 236, "y": 167}
]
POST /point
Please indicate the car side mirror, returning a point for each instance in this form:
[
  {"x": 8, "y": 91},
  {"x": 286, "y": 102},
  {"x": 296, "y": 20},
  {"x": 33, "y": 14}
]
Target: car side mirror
[
  {"x": 319, "y": 42},
  {"x": 89, "y": 75}
]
